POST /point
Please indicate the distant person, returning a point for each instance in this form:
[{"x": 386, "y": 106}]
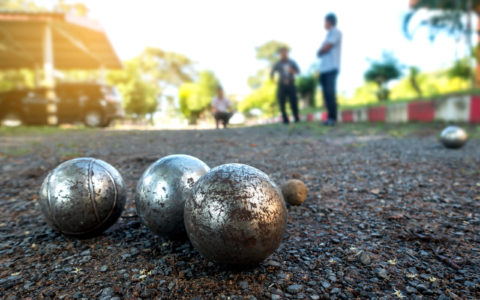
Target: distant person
[
  {"x": 221, "y": 108},
  {"x": 330, "y": 66},
  {"x": 287, "y": 69}
]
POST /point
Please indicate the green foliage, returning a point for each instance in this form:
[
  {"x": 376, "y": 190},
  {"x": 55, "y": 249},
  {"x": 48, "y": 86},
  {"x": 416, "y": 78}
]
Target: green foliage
[
  {"x": 15, "y": 79},
  {"x": 307, "y": 87},
  {"x": 256, "y": 80},
  {"x": 165, "y": 68},
  {"x": 445, "y": 16},
  {"x": 366, "y": 94},
  {"x": 25, "y": 5},
  {"x": 381, "y": 72},
  {"x": 431, "y": 84},
  {"x": 145, "y": 77},
  {"x": 196, "y": 97},
  {"x": 262, "y": 98},
  {"x": 461, "y": 69},
  {"x": 413, "y": 79},
  {"x": 78, "y": 9},
  {"x": 139, "y": 97},
  {"x": 269, "y": 51}
]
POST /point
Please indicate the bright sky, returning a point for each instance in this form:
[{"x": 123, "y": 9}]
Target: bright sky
[{"x": 221, "y": 35}]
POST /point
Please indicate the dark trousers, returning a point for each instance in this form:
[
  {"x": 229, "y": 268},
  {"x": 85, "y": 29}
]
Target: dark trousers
[
  {"x": 223, "y": 117},
  {"x": 328, "y": 81},
  {"x": 290, "y": 92}
]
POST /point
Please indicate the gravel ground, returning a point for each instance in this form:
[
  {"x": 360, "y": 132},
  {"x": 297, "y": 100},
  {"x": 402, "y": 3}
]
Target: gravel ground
[{"x": 390, "y": 213}]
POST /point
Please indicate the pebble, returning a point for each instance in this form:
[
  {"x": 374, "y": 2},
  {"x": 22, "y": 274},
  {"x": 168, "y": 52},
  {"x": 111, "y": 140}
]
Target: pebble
[
  {"x": 273, "y": 263},
  {"x": 381, "y": 273},
  {"x": 107, "y": 292},
  {"x": 335, "y": 291},
  {"x": 243, "y": 285},
  {"x": 325, "y": 284},
  {"x": 364, "y": 258},
  {"x": 294, "y": 288},
  {"x": 410, "y": 289}
]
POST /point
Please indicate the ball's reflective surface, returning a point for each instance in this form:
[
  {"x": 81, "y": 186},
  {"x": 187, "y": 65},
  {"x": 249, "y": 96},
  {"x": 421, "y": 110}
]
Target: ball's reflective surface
[
  {"x": 453, "y": 137},
  {"x": 235, "y": 215},
  {"x": 82, "y": 197},
  {"x": 163, "y": 189}
]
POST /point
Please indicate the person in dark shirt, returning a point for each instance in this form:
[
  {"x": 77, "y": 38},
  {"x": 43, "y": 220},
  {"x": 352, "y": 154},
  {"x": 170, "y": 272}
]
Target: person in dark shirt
[{"x": 287, "y": 69}]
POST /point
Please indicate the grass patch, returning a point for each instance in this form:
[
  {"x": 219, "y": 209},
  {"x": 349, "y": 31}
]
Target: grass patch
[
  {"x": 15, "y": 151},
  {"x": 400, "y": 130},
  {"x": 71, "y": 154},
  {"x": 39, "y": 130}
]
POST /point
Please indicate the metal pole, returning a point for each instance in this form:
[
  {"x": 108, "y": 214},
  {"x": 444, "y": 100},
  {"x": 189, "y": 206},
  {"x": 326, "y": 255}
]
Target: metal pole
[{"x": 49, "y": 68}]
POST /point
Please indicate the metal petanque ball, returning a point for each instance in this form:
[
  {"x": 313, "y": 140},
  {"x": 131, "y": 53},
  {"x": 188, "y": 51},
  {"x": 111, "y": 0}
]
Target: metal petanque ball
[
  {"x": 453, "y": 137},
  {"x": 163, "y": 189},
  {"x": 235, "y": 215},
  {"x": 82, "y": 197}
]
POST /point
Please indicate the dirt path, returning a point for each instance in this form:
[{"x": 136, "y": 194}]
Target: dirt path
[{"x": 389, "y": 213}]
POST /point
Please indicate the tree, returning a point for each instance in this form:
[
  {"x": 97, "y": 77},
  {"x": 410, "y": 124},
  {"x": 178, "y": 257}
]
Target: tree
[
  {"x": 149, "y": 75},
  {"x": 139, "y": 96},
  {"x": 431, "y": 84},
  {"x": 262, "y": 98},
  {"x": 78, "y": 9},
  {"x": 461, "y": 68},
  {"x": 306, "y": 87},
  {"x": 13, "y": 79},
  {"x": 413, "y": 79},
  {"x": 381, "y": 72},
  {"x": 25, "y": 5},
  {"x": 166, "y": 69},
  {"x": 451, "y": 16},
  {"x": 196, "y": 97},
  {"x": 270, "y": 51}
]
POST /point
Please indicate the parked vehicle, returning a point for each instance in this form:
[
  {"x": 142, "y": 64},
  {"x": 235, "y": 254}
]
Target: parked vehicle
[{"x": 93, "y": 104}]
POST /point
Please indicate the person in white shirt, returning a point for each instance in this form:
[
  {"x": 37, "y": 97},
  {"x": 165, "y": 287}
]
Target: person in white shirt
[
  {"x": 221, "y": 108},
  {"x": 329, "y": 54}
]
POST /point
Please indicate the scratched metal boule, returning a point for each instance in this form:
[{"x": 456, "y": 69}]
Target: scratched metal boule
[
  {"x": 235, "y": 215},
  {"x": 162, "y": 191},
  {"x": 82, "y": 197},
  {"x": 453, "y": 137}
]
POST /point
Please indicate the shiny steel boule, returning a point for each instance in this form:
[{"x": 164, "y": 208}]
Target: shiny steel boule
[
  {"x": 235, "y": 215},
  {"x": 82, "y": 197},
  {"x": 163, "y": 189},
  {"x": 453, "y": 137}
]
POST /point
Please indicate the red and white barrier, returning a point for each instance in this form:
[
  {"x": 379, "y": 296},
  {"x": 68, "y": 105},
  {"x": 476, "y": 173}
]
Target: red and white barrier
[{"x": 464, "y": 109}]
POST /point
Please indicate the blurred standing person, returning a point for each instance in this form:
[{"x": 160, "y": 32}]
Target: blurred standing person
[
  {"x": 287, "y": 70},
  {"x": 330, "y": 66},
  {"x": 221, "y": 108}
]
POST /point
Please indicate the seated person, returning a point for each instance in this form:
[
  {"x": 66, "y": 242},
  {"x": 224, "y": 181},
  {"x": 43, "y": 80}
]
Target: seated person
[{"x": 221, "y": 108}]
